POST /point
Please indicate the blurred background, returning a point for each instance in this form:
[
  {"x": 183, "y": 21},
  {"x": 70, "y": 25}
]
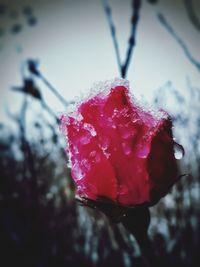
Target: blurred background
[{"x": 51, "y": 52}]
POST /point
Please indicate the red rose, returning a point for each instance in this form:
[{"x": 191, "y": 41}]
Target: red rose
[{"x": 119, "y": 150}]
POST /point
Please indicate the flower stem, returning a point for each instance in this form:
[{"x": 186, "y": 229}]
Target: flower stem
[{"x": 137, "y": 222}]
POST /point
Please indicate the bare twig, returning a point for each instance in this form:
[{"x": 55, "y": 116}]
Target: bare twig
[
  {"x": 136, "y": 5},
  {"x": 108, "y": 13},
  {"x": 53, "y": 90},
  {"x": 178, "y": 39},
  {"x": 48, "y": 109},
  {"x": 29, "y": 88},
  {"x": 32, "y": 66},
  {"x": 191, "y": 14}
]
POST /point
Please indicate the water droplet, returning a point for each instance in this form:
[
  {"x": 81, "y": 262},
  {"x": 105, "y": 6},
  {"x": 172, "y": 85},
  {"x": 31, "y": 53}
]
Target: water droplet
[{"x": 178, "y": 151}]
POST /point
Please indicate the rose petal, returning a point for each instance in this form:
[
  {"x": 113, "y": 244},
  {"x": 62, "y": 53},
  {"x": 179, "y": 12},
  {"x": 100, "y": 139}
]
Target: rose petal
[{"x": 120, "y": 150}]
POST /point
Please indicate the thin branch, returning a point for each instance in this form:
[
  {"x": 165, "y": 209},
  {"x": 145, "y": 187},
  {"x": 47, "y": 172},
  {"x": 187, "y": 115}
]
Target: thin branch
[
  {"x": 48, "y": 109},
  {"x": 108, "y": 13},
  {"x": 191, "y": 14},
  {"x": 53, "y": 90},
  {"x": 185, "y": 49},
  {"x": 30, "y": 89},
  {"x": 136, "y": 5},
  {"x": 33, "y": 68}
]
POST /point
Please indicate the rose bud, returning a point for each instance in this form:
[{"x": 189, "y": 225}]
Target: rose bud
[{"x": 118, "y": 149}]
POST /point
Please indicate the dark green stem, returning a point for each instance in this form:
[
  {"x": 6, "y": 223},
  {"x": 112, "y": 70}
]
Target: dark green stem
[{"x": 137, "y": 222}]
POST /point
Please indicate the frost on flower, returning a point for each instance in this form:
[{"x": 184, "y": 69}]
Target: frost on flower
[{"x": 119, "y": 149}]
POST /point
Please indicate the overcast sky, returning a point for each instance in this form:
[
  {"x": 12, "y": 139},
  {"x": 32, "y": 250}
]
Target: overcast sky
[{"x": 73, "y": 43}]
